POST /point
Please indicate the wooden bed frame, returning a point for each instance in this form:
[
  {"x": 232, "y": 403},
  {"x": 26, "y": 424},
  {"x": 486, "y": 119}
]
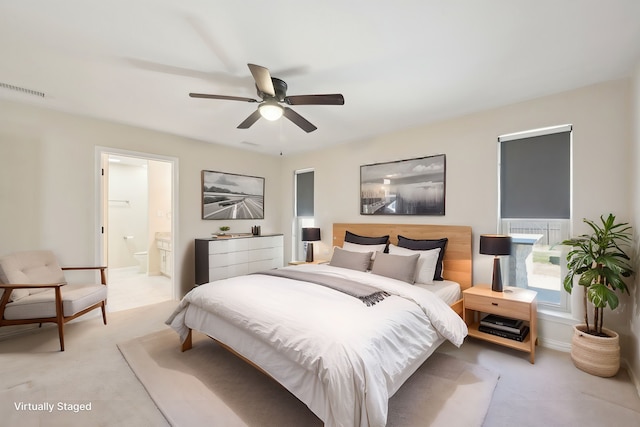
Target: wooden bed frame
[{"x": 457, "y": 263}]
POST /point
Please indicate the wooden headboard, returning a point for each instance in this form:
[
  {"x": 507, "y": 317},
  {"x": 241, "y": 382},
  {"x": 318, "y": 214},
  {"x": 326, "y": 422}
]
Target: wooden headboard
[{"x": 457, "y": 264}]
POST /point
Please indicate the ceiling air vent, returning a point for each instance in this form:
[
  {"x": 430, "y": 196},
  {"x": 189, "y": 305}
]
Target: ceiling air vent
[{"x": 21, "y": 89}]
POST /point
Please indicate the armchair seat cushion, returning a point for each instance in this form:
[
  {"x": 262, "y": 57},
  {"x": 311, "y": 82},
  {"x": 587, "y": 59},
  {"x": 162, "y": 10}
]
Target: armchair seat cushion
[{"x": 75, "y": 298}]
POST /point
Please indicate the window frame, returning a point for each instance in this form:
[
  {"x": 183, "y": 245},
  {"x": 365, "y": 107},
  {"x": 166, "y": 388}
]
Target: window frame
[
  {"x": 298, "y": 251},
  {"x": 564, "y": 304}
]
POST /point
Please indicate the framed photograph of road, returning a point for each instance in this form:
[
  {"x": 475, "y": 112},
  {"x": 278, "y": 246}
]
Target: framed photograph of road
[
  {"x": 404, "y": 187},
  {"x": 232, "y": 196}
]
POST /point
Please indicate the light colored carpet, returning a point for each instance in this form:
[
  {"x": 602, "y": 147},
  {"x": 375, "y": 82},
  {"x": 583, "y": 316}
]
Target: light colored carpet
[
  {"x": 207, "y": 385},
  {"x": 91, "y": 370},
  {"x": 551, "y": 393}
]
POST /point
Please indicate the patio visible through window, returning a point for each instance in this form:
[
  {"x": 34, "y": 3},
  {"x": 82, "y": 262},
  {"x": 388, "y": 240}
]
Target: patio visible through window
[{"x": 536, "y": 257}]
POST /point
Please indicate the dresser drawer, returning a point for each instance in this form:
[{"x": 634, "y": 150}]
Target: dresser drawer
[
  {"x": 227, "y": 246},
  {"x": 230, "y": 258},
  {"x": 218, "y": 273},
  {"x": 264, "y": 254},
  {"x": 265, "y": 242},
  {"x": 513, "y": 309}
]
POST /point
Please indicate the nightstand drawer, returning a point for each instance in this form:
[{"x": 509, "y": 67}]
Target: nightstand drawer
[{"x": 513, "y": 309}]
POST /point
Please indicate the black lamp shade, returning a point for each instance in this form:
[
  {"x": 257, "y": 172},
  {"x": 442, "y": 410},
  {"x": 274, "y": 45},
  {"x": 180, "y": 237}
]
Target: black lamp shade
[
  {"x": 495, "y": 244},
  {"x": 310, "y": 234}
]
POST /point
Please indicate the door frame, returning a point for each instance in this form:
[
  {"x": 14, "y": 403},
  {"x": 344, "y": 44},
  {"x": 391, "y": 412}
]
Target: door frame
[{"x": 101, "y": 204}]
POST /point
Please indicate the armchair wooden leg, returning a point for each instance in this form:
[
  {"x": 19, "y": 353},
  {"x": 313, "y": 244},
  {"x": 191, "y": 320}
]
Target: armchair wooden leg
[
  {"x": 60, "y": 317},
  {"x": 61, "y": 335},
  {"x": 104, "y": 313}
]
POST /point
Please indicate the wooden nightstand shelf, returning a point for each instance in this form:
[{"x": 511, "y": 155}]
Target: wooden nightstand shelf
[{"x": 516, "y": 303}]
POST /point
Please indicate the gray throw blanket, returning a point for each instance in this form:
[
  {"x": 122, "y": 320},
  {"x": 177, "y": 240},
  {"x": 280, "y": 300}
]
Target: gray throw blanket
[{"x": 368, "y": 294}]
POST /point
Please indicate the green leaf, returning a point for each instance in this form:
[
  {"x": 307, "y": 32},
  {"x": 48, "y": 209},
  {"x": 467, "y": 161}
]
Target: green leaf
[{"x": 597, "y": 295}]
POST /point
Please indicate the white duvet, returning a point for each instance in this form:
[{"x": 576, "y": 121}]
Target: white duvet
[{"x": 359, "y": 353}]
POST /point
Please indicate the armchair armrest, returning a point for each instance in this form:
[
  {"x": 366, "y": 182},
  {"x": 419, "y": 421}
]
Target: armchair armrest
[
  {"x": 33, "y": 285},
  {"x": 8, "y": 288},
  {"x": 103, "y": 277}
]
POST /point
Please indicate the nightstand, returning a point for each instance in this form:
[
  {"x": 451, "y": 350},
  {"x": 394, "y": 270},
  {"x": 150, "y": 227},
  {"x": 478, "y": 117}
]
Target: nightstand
[
  {"x": 315, "y": 261},
  {"x": 516, "y": 303}
]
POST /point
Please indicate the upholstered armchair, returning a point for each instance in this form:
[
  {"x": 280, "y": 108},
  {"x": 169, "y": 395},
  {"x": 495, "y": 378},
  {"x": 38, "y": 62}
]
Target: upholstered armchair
[{"x": 34, "y": 290}]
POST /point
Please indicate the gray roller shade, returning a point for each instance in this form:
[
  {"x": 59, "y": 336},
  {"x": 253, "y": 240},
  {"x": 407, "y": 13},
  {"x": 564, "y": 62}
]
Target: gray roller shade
[
  {"x": 304, "y": 194},
  {"x": 535, "y": 176}
]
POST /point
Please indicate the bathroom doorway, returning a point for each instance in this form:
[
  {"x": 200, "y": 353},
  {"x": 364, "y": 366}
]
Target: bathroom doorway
[{"x": 137, "y": 234}]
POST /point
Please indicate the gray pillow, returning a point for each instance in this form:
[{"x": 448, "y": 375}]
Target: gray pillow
[
  {"x": 397, "y": 267},
  {"x": 352, "y": 260}
]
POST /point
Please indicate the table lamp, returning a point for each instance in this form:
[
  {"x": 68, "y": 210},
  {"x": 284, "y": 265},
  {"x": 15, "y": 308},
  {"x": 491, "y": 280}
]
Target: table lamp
[
  {"x": 310, "y": 234},
  {"x": 496, "y": 245}
]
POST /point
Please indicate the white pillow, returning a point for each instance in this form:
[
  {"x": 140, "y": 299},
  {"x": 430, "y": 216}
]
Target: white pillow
[
  {"x": 354, "y": 247},
  {"x": 427, "y": 262}
]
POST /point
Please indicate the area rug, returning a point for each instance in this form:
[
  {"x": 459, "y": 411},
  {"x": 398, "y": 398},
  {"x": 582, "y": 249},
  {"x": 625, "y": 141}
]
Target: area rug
[{"x": 209, "y": 386}]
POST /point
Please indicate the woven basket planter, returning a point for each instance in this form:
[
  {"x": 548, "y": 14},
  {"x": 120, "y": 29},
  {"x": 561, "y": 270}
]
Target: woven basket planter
[{"x": 596, "y": 355}]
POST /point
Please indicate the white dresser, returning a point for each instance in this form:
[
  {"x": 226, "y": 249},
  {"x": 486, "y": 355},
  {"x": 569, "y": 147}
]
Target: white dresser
[{"x": 221, "y": 258}]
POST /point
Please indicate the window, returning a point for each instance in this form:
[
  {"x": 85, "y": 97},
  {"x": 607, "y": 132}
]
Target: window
[
  {"x": 535, "y": 209},
  {"x": 304, "y": 210}
]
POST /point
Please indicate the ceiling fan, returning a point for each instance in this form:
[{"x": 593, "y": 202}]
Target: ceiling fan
[{"x": 273, "y": 92}]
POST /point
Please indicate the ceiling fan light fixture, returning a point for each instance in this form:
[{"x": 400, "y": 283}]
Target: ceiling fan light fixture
[
  {"x": 273, "y": 94},
  {"x": 271, "y": 110}
]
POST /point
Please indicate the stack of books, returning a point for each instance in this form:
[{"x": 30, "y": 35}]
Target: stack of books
[{"x": 505, "y": 327}]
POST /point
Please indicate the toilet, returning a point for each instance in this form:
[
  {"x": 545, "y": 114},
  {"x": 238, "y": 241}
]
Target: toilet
[{"x": 141, "y": 257}]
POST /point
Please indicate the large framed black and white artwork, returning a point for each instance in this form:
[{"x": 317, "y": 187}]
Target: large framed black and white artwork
[
  {"x": 404, "y": 187},
  {"x": 232, "y": 196}
]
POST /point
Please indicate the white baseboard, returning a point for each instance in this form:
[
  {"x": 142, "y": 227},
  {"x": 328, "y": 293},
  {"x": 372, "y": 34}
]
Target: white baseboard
[{"x": 555, "y": 344}]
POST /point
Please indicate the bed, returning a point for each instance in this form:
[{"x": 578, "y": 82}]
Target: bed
[{"x": 344, "y": 357}]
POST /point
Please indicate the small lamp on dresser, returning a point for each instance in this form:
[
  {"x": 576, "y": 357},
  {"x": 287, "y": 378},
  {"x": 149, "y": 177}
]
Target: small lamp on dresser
[
  {"x": 496, "y": 245},
  {"x": 309, "y": 235}
]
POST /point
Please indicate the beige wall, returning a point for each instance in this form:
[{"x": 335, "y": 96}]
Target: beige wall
[
  {"x": 48, "y": 181},
  {"x": 601, "y": 120},
  {"x": 633, "y": 355}
]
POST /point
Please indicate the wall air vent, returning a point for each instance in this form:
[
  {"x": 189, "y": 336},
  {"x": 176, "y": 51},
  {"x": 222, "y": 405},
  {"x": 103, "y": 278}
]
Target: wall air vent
[{"x": 21, "y": 89}]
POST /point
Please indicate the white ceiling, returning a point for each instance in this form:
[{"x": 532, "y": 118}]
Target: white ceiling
[{"x": 399, "y": 64}]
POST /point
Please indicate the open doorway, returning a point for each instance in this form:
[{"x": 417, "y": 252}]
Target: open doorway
[{"x": 138, "y": 227}]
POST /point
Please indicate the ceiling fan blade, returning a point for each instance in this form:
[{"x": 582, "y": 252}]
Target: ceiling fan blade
[
  {"x": 250, "y": 120},
  {"x": 263, "y": 79},
  {"x": 229, "y": 98},
  {"x": 296, "y": 118},
  {"x": 330, "y": 99}
]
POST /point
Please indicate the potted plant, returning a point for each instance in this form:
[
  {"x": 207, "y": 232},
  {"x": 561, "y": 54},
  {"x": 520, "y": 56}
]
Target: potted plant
[
  {"x": 223, "y": 230},
  {"x": 601, "y": 265}
]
